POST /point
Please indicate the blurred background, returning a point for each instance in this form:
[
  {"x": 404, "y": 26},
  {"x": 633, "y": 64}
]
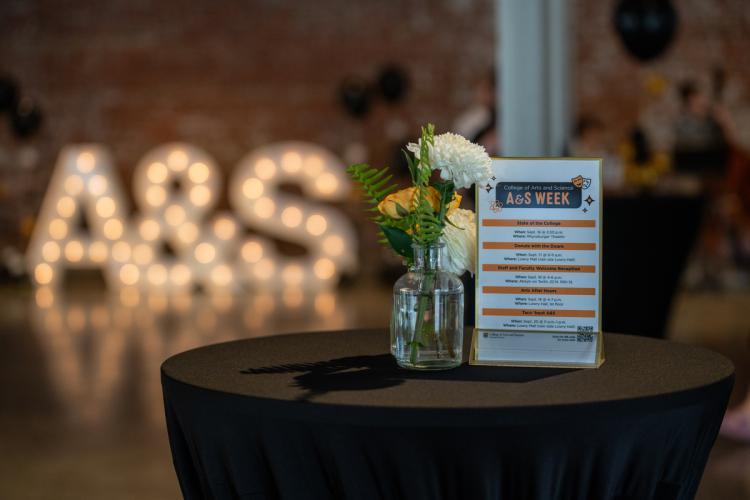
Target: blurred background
[{"x": 219, "y": 132}]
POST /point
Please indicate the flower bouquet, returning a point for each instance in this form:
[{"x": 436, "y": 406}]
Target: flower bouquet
[{"x": 437, "y": 240}]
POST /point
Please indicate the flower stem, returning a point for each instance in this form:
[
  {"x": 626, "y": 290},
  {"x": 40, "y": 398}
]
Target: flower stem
[{"x": 424, "y": 287}]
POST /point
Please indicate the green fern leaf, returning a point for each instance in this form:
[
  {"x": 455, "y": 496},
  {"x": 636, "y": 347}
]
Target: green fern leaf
[{"x": 373, "y": 181}]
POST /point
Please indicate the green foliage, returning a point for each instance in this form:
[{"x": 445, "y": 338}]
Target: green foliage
[
  {"x": 424, "y": 171},
  {"x": 427, "y": 225},
  {"x": 413, "y": 164},
  {"x": 374, "y": 182},
  {"x": 399, "y": 240},
  {"x": 447, "y": 190},
  {"x": 401, "y": 211},
  {"x": 376, "y": 185}
]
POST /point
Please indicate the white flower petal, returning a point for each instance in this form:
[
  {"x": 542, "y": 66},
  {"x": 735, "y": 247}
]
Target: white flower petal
[
  {"x": 414, "y": 148},
  {"x": 461, "y": 242},
  {"x": 458, "y": 159}
]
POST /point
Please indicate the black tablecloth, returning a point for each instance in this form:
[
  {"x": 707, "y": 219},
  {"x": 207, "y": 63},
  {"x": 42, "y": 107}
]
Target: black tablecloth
[{"x": 329, "y": 415}]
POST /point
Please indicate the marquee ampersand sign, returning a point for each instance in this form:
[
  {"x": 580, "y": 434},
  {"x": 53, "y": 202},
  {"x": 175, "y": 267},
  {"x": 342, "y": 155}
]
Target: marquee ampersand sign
[
  {"x": 172, "y": 243},
  {"x": 175, "y": 187}
]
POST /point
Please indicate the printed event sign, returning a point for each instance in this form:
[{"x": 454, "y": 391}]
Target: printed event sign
[{"x": 539, "y": 263}]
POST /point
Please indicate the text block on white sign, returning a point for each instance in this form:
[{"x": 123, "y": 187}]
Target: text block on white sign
[{"x": 539, "y": 249}]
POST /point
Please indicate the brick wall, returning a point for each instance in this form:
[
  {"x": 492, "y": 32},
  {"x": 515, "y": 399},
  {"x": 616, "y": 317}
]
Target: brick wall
[
  {"x": 229, "y": 76},
  {"x": 232, "y": 75}
]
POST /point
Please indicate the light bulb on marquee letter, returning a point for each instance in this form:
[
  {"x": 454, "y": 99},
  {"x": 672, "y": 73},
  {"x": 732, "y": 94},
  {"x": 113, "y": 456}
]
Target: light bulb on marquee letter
[
  {"x": 83, "y": 185},
  {"x": 327, "y": 234},
  {"x": 175, "y": 186}
]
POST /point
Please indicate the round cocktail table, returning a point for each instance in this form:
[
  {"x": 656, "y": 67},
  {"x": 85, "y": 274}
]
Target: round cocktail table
[{"x": 330, "y": 415}]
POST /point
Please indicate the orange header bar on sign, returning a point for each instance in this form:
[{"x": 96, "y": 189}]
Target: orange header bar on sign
[
  {"x": 537, "y": 223},
  {"x": 538, "y": 290},
  {"x": 503, "y": 245},
  {"x": 512, "y": 268},
  {"x": 560, "y": 313}
]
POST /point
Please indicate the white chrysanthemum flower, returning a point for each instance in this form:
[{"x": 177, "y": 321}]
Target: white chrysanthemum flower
[
  {"x": 460, "y": 242},
  {"x": 458, "y": 159}
]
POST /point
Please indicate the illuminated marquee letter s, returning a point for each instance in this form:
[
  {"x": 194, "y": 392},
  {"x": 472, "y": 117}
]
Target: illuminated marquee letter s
[{"x": 327, "y": 234}]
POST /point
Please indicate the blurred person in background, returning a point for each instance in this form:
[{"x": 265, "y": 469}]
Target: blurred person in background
[
  {"x": 701, "y": 133},
  {"x": 644, "y": 168},
  {"x": 589, "y": 141},
  {"x": 706, "y": 149}
]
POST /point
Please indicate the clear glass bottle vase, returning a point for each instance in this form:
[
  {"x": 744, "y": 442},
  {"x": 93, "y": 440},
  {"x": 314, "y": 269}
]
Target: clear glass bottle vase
[{"x": 427, "y": 321}]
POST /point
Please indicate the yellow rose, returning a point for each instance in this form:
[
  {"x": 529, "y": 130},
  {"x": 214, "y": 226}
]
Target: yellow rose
[
  {"x": 397, "y": 205},
  {"x": 453, "y": 205}
]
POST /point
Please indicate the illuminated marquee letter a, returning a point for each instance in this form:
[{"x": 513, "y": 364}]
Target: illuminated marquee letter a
[{"x": 82, "y": 220}]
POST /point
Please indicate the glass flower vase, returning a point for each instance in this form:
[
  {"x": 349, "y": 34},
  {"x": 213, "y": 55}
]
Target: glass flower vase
[{"x": 427, "y": 321}]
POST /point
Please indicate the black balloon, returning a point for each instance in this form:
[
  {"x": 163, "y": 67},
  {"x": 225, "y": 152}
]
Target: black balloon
[
  {"x": 393, "y": 83},
  {"x": 8, "y": 94},
  {"x": 646, "y": 27},
  {"x": 26, "y": 118},
  {"x": 355, "y": 96}
]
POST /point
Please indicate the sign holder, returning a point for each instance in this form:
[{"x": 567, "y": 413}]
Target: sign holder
[{"x": 539, "y": 255}]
